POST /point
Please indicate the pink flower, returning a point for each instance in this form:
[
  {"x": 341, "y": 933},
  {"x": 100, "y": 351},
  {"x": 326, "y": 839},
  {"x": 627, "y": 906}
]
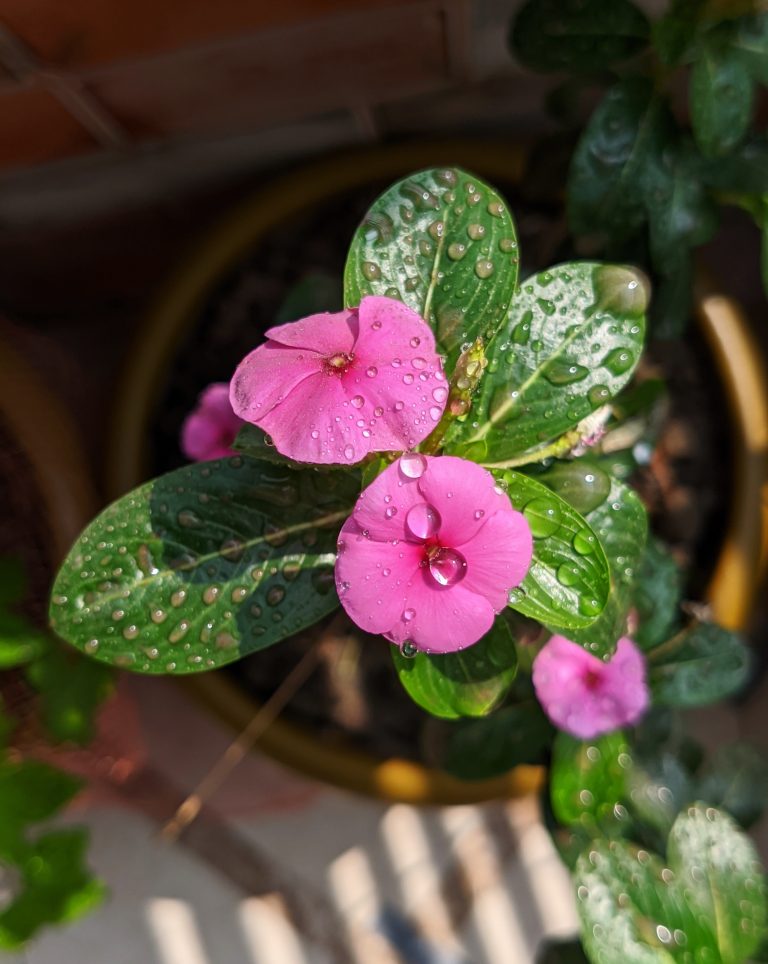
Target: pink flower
[
  {"x": 431, "y": 552},
  {"x": 334, "y": 387},
  {"x": 585, "y": 696},
  {"x": 209, "y": 431}
]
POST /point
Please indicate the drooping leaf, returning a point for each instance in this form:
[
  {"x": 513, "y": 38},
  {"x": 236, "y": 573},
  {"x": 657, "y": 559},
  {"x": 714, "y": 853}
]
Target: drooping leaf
[
  {"x": 720, "y": 96},
  {"x": 735, "y": 779},
  {"x": 656, "y": 595},
  {"x": 443, "y": 242},
  {"x": 56, "y": 887},
  {"x": 204, "y": 565},
  {"x": 588, "y": 781},
  {"x": 72, "y": 689},
  {"x": 621, "y": 524},
  {"x": 483, "y": 748},
  {"x": 700, "y": 665},
  {"x": 568, "y": 582},
  {"x": 468, "y": 683},
  {"x": 572, "y": 340},
  {"x": 718, "y": 869},
  {"x": 567, "y": 35}
]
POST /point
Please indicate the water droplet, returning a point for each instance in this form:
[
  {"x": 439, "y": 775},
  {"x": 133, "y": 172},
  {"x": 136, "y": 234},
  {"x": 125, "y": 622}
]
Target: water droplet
[
  {"x": 349, "y": 452},
  {"x": 476, "y": 231},
  {"x": 589, "y": 606},
  {"x": 456, "y": 251},
  {"x": 210, "y": 594},
  {"x": 447, "y": 566},
  {"x": 544, "y": 517},
  {"x": 563, "y": 373},
  {"x": 371, "y": 271},
  {"x": 584, "y": 542},
  {"x": 478, "y": 514},
  {"x": 357, "y": 402},
  {"x": 484, "y": 268},
  {"x": 390, "y": 512},
  {"x": 275, "y": 596},
  {"x": 178, "y": 597},
  {"x": 131, "y": 632},
  {"x": 440, "y": 394},
  {"x": 118, "y": 614},
  {"x": 548, "y": 307},
  {"x": 225, "y": 641},
  {"x": 178, "y": 631},
  {"x": 238, "y": 594},
  {"x": 435, "y": 413},
  {"x": 59, "y": 600},
  {"x": 409, "y": 649},
  {"x": 623, "y": 290},
  {"x": 372, "y": 372},
  {"x": 437, "y": 229},
  {"x": 598, "y": 395},
  {"x": 91, "y": 646},
  {"x": 409, "y": 614},
  {"x": 619, "y": 361},
  {"x": 507, "y": 244},
  {"x": 496, "y": 209},
  {"x": 423, "y": 520},
  {"x": 516, "y": 596},
  {"x": 188, "y": 519},
  {"x": 568, "y": 575},
  {"x": 412, "y": 465}
]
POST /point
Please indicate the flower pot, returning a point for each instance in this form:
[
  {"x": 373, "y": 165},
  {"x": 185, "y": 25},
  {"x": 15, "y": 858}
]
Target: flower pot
[{"x": 725, "y": 332}]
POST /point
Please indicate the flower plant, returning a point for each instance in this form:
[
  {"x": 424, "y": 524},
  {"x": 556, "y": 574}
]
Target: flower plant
[{"x": 429, "y": 459}]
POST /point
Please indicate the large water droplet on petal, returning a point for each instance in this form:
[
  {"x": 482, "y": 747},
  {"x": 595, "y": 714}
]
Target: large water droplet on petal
[
  {"x": 358, "y": 401},
  {"x": 412, "y": 465},
  {"x": 447, "y": 567},
  {"x": 408, "y": 614},
  {"x": 423, "y": 520},
  {"x": 409, "y": 649}
]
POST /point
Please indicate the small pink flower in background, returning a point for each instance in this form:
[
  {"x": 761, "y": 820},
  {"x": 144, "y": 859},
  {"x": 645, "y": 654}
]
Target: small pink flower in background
[
  {"x": 585, "y": 696},
  {"x": 334, "y": 387},
  {"x": 431, "y": 552},
  {"x": 209, "y": 431}
]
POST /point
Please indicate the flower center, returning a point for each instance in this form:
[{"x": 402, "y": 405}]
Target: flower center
[
  {"x": 446, "y": 566},
  {"x": 592, "y": 679},
  {"x": 337, "y": 364}
]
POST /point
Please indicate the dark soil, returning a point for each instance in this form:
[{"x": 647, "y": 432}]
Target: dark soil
[{"x": 355, "y": 691}]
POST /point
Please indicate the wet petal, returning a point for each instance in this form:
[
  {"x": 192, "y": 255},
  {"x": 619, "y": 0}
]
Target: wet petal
[
  {"x": 327, "y": 333},
  {"x": 267, "y": 376},
  {"x": 498, "y": 556}
]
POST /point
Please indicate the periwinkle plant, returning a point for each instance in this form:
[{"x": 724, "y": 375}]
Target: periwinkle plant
[{"x": 434, "y": 464}]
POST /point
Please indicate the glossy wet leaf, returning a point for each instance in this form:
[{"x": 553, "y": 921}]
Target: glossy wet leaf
[
  {"x": 735, "y": 779},
  {"x": 204, "y": 565},
  {"x": 443, "y": 242},
  {"x": 620, "y": 522},
  {"x": 254, "y": 442},
  {"x": 56, "y": 886},
  {"x": 571, "y": 342},
  {"x": 71, "y": 689},
  {"x": 577, "y": 35},
  {"x": 700, "y": 665},
  {"x": 484, "y": 748},
  {"x": 720, "y": 91},
  {"x": 718, "y": 868},
  {"x": 588, "y": 780},
  {"x": 468, "y": 683},
  {"x": 568, "y": 582},
  {"x": 659, "y": 787},
  {"x": 656, "y": 595}
]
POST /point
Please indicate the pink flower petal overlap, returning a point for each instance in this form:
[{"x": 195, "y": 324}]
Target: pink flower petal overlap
[
  {"x": 586, "y": 696},
  {"x": 430, "y": 553},
  {"x": 210, "y": 429},
  {"x": 333, "y": 387}
]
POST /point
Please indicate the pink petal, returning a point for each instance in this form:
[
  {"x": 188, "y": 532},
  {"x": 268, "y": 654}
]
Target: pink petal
[
  {"x": 215, "y": 400},
  {"x": 465, "y": 495},
  {"x": 266, "y": 376},
  {"x": 371, "y": 578},
  {"x": 498, "y": 556},
  {"x": 383, "y": 506},
  {"x": 388, "y": 328},
  {"x": 209, "y": 431},
  {"x": 328, "y": 333},
  {"x": 445, "y": 618},
  {"x": 585, "y": 696}
]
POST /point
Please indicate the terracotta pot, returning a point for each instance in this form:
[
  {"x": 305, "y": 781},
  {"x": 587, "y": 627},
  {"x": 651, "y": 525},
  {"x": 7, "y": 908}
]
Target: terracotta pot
[{"x": 725, "y": 331}]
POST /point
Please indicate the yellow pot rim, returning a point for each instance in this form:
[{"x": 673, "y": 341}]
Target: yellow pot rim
[{"x": 725, "y": 329}]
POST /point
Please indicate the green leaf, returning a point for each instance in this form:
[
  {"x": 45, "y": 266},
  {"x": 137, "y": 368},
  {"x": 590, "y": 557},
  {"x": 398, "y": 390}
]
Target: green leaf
[
  {"x": 484, "y": 748},
  {"x": 204, "y": 565},
  {"x": 750, "y": 44},
  {"x": 72, "y": 689},
  {"x": 700, "y": 665},
  {"x": 57, "y": 887},
  {"x": 621, "y": 523},
  {"x": 656, "y": 595},
  {"x": 720, "y": 100},
  {"x": 623, "y": 138},
  {"x": 588, "y": 779},
  {"x": 745, "y": 170},
  {"x": 659, "y": 787},
  {"x": 443, "y": 242},
  {"x": 568, "y": 581},
  {"x": 32, "y": 791},
  {"x": 568, "y": 35},
  {"x": 572, "y": 340},
  {"x": 468, "y": 683},
  {"x": 12, "y": 581},
  {"x": 718, "y": 869},
  {"x": 562, "y": 952},
  {"x": 255, "y": 443},
  {"x": 736, "y": 780},
  {"x": 313, "y": 294},
  {"x": 675, "y": 34}
]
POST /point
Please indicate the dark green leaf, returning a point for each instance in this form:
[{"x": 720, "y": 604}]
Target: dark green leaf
[
  {"x": 624, "y": 137},
  {"x": 577, "y": 35},
  {"x": 744, "y": 170},
  {"x": 659, "y": 787},
  {"x": 72, "y": 689},
  {"x": 484, "y": 748},
  {"x": 718, "y": 869},
  {"x": 316, "y": 292},
  {"x": 736, "y": 780},
  {"x": 12, "y": 581},
  {"x": 32, "y": 791},
  {"x": 443, "y": 242},
  {"x": 720, "y": 100},
  {"x": 656, "y": 595},
  {"x": 572, "y": 340},
  {"x": 254, "y": 442},
  {"x": 676, "y": 32},
  {"x": 568, "y": 582},
  {"x": 468, "y": 683},
  {"x": 750, "y": 44},
  {"x": 621, "y": 523},
  {"x": 582, "y": 483},
  {"x": 562, "y": 952},
  {"x": 587, "y": 781},
  {"x": 700, "y": 665},
  {"x": 57, "y": 887},
  {"x": 204, "y": 565}
]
